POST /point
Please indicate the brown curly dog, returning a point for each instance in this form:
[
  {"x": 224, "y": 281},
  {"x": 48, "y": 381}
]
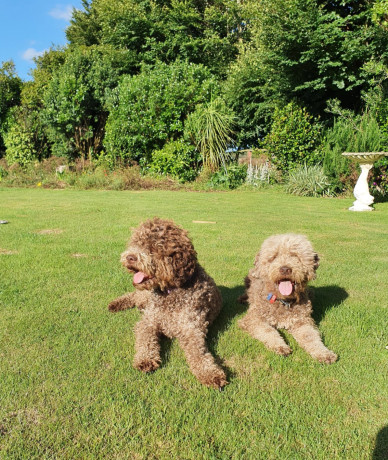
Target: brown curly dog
[
  {"x": 175, "y": 295},
  {"x": 278, "y": 296}
]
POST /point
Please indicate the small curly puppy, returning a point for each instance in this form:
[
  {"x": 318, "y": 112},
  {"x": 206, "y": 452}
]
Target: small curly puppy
[
  {"x": 278, "y": 296},
  {"x": 175, "y": 295}
]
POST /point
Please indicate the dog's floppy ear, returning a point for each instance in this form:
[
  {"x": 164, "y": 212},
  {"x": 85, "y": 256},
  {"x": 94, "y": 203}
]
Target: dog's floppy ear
[
  {"x": 174, "y": 269},
  {"x": 255, "y": 271},
  {"x": 183, "y": 265},
  {"x": 315, "y": 264},
  {"x": 316, "y": 261}
]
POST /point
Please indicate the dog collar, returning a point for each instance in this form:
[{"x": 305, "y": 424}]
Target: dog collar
[{"x": 272, "y": 299}]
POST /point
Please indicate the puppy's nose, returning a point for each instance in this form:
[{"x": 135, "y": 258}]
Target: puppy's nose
[
  {"x": 131, "y": 258},
  {"x": 286, "y": 271}
]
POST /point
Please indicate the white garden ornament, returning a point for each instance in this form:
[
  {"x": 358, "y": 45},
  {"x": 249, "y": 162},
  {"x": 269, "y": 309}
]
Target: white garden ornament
[{"x": 361, "y": 191}]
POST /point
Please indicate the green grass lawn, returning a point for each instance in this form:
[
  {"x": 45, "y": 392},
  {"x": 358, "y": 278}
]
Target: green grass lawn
[{"x": 67, "y": 386}]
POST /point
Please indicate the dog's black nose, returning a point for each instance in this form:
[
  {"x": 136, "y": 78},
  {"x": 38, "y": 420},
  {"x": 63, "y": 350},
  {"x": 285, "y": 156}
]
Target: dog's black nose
[
  {"x": 286, "y": 271},
  {"x": 131, "y": 258}
]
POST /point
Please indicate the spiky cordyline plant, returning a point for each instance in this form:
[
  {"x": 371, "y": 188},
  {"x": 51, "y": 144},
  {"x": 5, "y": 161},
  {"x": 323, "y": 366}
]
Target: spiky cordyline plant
[{"x": 210, "y": 128}]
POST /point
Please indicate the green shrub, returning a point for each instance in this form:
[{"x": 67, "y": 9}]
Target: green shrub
[
  {"x": 230, "y": 177},
  {"x": 148, "y": 110},
  {"x": 335, "y": 165},
  {"x": 19, "y": 146},
  {"x": 295, "y": 138},
  {"x": 379, "y": 180},
  {"x": 3, "y": 173},
  {"x": 25, "y": 139},
  {"x": 309, "y": 181},
  {"x": 10, "y": 88},
  {"x": 177, "y": 159},
  {"x": 74, "y": 101},
  {"x": 350, "y": 133}
]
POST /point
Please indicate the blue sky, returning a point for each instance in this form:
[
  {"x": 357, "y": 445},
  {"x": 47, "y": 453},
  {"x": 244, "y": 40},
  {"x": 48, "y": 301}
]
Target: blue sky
[{"x": 29, "y": 27}]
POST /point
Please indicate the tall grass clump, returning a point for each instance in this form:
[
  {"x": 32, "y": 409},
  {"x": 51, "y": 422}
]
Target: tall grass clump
[{"x": 309, "y": 181}]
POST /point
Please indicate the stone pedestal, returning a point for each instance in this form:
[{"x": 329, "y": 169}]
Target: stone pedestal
[{"x": 361, "y": 191}]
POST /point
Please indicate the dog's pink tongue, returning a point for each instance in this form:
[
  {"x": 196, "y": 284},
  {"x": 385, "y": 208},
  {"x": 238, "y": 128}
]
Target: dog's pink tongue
[
  {"x": 285, "y": 287},
  {"x": 139, "y": 277}
]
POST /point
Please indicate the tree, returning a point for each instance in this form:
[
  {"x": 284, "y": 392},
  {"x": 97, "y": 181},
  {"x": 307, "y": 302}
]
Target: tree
[
  {"x": 200, "y": 31},
  {"x": 74, "y": 102},
  {"x": 314, "y": 52},
  {"x": 10, "y": 88},
  {"x": 84, "y": 29}
]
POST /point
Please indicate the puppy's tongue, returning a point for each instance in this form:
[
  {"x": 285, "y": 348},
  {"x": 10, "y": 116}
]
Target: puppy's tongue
[
  {"x": 139, "y": 277},
  {"x": 285, "y": 287}
]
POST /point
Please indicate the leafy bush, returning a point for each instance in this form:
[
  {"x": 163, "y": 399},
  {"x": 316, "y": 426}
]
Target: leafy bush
[
  {"x": 230, "y": 177},
  {"x": 210, "y": 129},
  {"x": 379, "y": 179},
  {"x": 3, "y": 172},
  {"x": 177, "y": 159},
  {"x": 10, "y": 88},
  {"x": 335, "y": 165},
  {"x": 295, "y": 138},
  {"x": 148, "y": 110},
  {"x": 350, "y": 133},
  {"x": 20, "y": 147},
  {"x": 75, "y": 101},
  {"x": 309, "y": 181},
  {"x": 25, "y": 139}
]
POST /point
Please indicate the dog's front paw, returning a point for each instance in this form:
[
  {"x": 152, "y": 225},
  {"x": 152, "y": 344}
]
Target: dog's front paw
[
  {"x": 215, "y": 379},
  {"x": 146, "y": 365},
  {"x": 219, "y": 382},
  {"x": 283, "y": 350},
  {"x": 114, "y": 306},
  {"x": 328, "y": 357},
  {"x": 121, "y": 303}
]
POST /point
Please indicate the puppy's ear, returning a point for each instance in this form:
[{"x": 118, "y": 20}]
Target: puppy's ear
[
  {"x": 316, "y": 261},
  {"x": 173, "y": 270},
  {"x": 255, "y": 271},
  {"x": 312, "y": 270},
  {"x": 183, "y": 266}
]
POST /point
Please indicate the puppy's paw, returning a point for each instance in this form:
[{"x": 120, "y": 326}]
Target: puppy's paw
[
  {"x": 115, "y": 306},
  {"x": 283, "y": 350},
  {"x": 146, "y": 365},
  {"x": 213, "y": 377},
  {"x": 216, "y": 380},
  {"x": 328, "y": 357},
  {"x": 219, "y": 382},
  {"x": 121, "y": 303}
]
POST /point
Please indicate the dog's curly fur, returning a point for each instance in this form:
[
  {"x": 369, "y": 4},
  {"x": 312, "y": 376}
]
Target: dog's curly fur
[
  {"x": 288, "y": 258},
  {"x": 175, "y": 295}
]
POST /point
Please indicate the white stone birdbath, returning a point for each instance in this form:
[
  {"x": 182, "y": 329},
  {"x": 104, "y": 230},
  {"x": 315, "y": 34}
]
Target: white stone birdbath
[{"x": 361, "y": 191}]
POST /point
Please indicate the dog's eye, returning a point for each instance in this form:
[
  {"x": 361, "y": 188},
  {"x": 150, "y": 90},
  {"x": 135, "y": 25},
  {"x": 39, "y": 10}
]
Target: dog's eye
[{"x": 271, "y": 259}]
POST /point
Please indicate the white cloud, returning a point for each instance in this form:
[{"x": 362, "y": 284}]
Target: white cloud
[
  {"x": 62, "y": 12},
  {"x": 32, "y": 53}
]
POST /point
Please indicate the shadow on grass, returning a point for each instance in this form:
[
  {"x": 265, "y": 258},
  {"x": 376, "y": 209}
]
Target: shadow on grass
[
  {"x": 381, "y": 199},
  {"x": 230, "y": 309},
  {"x": 380, "y": 451},
  {"x": 324, "y": 298}
]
